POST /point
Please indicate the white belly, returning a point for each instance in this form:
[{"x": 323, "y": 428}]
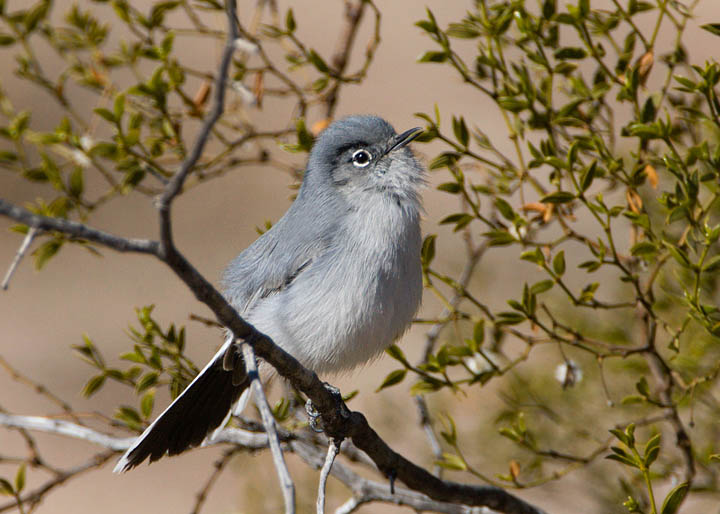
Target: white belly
[{"x": 347, "y": 308}]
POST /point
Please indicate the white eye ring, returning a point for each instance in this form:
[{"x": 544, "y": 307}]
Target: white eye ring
[{"x": 361, "y": 158}]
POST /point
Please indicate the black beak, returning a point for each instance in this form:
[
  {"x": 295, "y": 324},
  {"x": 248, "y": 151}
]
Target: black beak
[{"x": 403, "y": 139}]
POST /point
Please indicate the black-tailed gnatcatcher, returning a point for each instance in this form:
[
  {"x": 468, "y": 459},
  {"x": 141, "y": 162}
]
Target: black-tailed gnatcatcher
[{"x": 334, "y": 282}]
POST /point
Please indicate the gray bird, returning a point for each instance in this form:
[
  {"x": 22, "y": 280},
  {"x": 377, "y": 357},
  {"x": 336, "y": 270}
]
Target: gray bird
[{"x": 334, "y": 282}]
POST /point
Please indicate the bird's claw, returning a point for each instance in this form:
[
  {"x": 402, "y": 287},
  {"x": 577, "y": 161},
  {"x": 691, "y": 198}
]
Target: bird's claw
[{"x": 314, "y": 415}]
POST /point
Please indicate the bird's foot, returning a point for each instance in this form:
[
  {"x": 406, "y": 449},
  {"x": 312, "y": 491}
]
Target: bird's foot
[{"x": 314, "y": 415}]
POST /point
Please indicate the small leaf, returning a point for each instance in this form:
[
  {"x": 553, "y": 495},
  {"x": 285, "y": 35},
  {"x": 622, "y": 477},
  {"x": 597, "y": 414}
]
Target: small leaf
[
  {"x": 394, "y": 377},
  {"x": 428, "y": 250},
  {"x": 588, "y": 176},
  {"x": 396, "y": 353},
  {"x": 541, "y": 287},
  {"x": 6, "y": 39},
  {"x": 451, "y": 461},
  {"x": 712, "y": 28},
  {"x": 6, "y": 487},
  {"x": 20, "y": 479},
  {"x": 147, "y": 403},
  {"x": 318, "y": 61},
  {"x": 93, "y": 385},
  {"x": 106, "y": 114},
  {"x": 674, "y": 499},
  {"x": 75, "y": 185},
  {"x": 450, "y": 187},
  {"x": 652, "y": 449},
  {"x": 290, "y": 24},
  {"x": 559, "y": 263},
  {"x": 558, "y": 197},
  {"x": 643, "y": 388},
  {"x": 479, "y": 333},
  {"x": 644, "y": 249},
  {"x": 432, "y": 56},
  {"x": 570, "y": 53}
]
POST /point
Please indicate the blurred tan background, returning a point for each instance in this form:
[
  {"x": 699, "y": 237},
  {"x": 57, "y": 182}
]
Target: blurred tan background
[{"x": 42, "y": 314}]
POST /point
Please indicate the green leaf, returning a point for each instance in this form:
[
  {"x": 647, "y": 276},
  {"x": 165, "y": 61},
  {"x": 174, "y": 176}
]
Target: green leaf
[
  {"x": 712, "y": 264},
  {"x": 623, "y": 458},
  {"x": 20, "y": 479},
  {"x": 45, "y": 252},
  {"x": 644, "y": 249},
  {"x": 6, "y": 487},
  {"x": 559, "y": 263},
  {"x": 6, "y": 39},
  {"x": 548, "y": 9},
  {"x": 76, "y": 185},
  {"x": 105, "y": 114},
  {"x": 541, "y": 287},
  {"x": 505, "y": 209},
  {"x": 712, "y": 28},
  {"x": 394, "y": 377},
  {"x": 147, "y": 381},
  {"x": 535, "y": 256},
  {"x": 443, "y": 160},
  {"x": 461, "y": 131},
  {"x": 318, "y": 61},
  {"x": 428, "y": 250},
  {"x": 451, "y": 461},
  {"x": 642, "y": 387},
  {"x": 588, "y": 176},
  {"x": 396, "y": 353},
  {"x": 290, "y": 24},
  {"x": 509, "y": 318},
  {"x": 512, "y": 104},
  {"x": 500, "y": 237},
  {"x": 478, "y": 334},
  {"x": 570, "y": 52},
  {"x": 558, "y": 197},
  {"x": 462, "y": 31},
  {"x": 93, "y": 385},
  {"x": 674, "y": 499},
  {"x": 432, "y": 56},
  {"x": 652, "y": 449},
  {"x": 147, "y": 403},
  {"x": 678, "y": 254},
  {"x": 450, "y": 187}
]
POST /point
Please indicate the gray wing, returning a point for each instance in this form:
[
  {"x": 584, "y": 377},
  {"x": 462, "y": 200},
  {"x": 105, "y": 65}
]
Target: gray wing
[{"x": 281, "y": 254}]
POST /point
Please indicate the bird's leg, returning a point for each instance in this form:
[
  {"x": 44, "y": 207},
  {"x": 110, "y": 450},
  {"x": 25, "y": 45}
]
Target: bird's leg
[{"x": 314, "y": 415}]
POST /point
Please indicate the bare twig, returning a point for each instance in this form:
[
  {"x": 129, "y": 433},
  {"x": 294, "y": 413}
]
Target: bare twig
[
  {"x": 32, "y": 232},
  {"x": 35, "y": 496},
  {"x": 58, "y": 426},
  {"x": 286, "y": 483},
  {"x": 219, "y": 466},
  {"x": 39, "y": 389},
  {"x": 426, "y": 424},
  {"x": 333, "y": 450},
  {"x": 78, "y": 230}
]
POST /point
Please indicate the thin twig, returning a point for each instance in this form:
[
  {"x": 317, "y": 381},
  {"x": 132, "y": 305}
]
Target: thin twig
[
  {"x": 32, "y": 232},
  {"x": 39, "y": 389},
  {"x": 286, "y": 483},
  {"x": 333, "y": 450},
  {"x": 219, "y": 466}
]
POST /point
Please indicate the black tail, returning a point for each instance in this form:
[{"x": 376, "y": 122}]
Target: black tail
[{"x": 199, "y": 410}]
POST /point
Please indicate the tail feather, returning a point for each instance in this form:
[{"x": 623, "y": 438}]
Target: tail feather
[{"x": 197, "y": 412}]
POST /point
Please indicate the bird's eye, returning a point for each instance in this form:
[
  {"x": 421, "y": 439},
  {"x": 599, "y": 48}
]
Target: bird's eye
[{"x": 361, "y": 158}]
